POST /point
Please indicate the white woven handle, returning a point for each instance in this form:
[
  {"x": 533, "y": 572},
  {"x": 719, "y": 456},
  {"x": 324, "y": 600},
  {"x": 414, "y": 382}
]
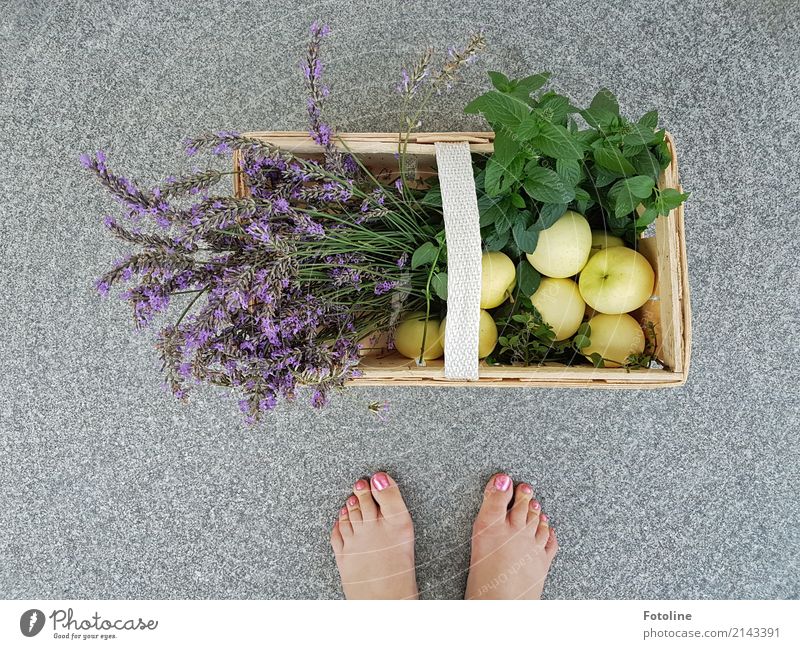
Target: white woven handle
[{"x": 462, "y": 229}]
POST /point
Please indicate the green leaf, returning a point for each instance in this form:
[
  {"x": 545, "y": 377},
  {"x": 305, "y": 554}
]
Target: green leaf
[
  {"x": 506, "y": 146},
  {"x": 433, "y": 197},
  {"x": 569, "y": 170},
  {"x": 531, "y": 83},
  {"x": 613, "y": 160},
  {"x": 581, "y": 341},
  {"x": 555, "y": 141},
  {"x": 424, "y": 255},
  {"x": 646, "y": 164},
  {"x": 496, "y": 241},
  {"x": 649, "y": 119},
  {"x": 499, "y": 108},
  {"x": 518, "y": 201},
  {"x": 546, "y": 186},
  {"x": 439, "y": 285},
  {"x": 647, "y": 217},
  {"x": 639, "y": 135},
  {"x": 585, "y": 329},
  {"x": 500, "y": 81},
  {"x": 626, "y": 194},
  {"x": 605, "y": 101},
  {"x": 669, "y": 199},
  {"x": 525, "y": 238},
  {"x": 597, "y": 360},
  {"x": 549, "y": 213},
  {"x": 528, "y": 278},
  {"x": 500, "y": 177},
  {"x": 553, "y": 107},
  {"x": 529, "y": 128}
]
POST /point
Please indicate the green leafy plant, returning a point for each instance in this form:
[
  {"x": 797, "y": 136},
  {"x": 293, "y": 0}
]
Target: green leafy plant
[{"x": 544, "y": 163}]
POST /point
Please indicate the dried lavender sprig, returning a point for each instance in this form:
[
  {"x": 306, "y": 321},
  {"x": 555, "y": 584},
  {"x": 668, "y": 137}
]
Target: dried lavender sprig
[
  {"x": 411, "y": 81},
  {"x": 190, "y": 183},
  {"x": 459, "y": 59},
  {"x": 147, "y": 240},
  {"x": 123, "y": 188},
  {"x": 157, "y": 260}
]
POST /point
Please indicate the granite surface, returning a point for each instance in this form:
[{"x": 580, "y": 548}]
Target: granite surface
[{"x": 109, "y": 489}]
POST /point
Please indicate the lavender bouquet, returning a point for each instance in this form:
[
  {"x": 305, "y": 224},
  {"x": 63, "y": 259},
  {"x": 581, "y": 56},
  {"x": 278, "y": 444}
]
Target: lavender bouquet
[{"x": 279, "y": 289}]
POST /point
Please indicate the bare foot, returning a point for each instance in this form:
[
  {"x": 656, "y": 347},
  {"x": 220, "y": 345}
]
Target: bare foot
[
  {"x": 373, "y": 541},
  {"x": 511, "y": 548}
]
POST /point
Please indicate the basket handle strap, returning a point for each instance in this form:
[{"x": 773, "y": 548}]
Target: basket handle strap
[{"x": 462, "y": 230}]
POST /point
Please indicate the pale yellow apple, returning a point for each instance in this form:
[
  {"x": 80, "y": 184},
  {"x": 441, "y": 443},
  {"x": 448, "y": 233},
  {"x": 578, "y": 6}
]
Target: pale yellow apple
[
  {"x": 497, "y": 277},
  {"x": 602, "y": 240},
  {"x": 409, "y": 333},
  {"x": 614, "y": 337},
  {"x": 487, "y": 334},
  {"x": 563, "y": 248},
  {"x": 616, "y": 280},
  {"x": 560, "y": 304}
]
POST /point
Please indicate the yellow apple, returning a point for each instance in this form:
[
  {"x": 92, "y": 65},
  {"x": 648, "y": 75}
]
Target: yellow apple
[
  {"x": 409, "y": 333},
  {"x": 560, "y": 304},
  {"x": 614, "y": 337},
  {"x": 487, "y": 334},
  {"x": 564, "y": 247},
  {"x": 602, "y": 240},
  {"x": 497, "y": 276},
  {"x": 616, "y": 280}
]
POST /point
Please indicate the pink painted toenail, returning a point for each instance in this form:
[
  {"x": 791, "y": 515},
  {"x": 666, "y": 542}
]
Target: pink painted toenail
[
  {"x": 544, "y": 518},
  {"x": 381, "y": 481},
  {"x": 352, "y": 501},
  {"x": 343, "y": 511},
  {"x": 360, "y": 485},
  {"x": 526, "y": 489},
  {"x": 502, "y": 482},
  {"x": 536, "y": 505}
]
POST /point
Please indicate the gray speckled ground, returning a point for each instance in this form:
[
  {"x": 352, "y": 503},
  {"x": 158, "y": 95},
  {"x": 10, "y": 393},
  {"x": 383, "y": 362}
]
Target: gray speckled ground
[{"x": 109, "y": 489}]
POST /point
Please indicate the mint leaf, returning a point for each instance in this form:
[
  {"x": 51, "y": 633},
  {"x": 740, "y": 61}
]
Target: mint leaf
[
  {"x": 528, "y": 279},
  {"x": 500, "y": 177},
  {"x": 569, "y": 170},
  {"x": 613, "y": 160},
  {"x": 500, "y": 81},
  {"x": 549, "y": 213},
  {"x": 530, "y": 84},
  {"x": 424, "y": 255},
  {"x": 647, "y": 217},
  {"x": 495, "y": 241},
  {"x": 439, "y": 285},
  {"x": 525, "y": 238},
  {"x": 506, "y": 146},
  {"x": 605, "y": 101},
  {"x": 649, "y": 119},
  {"x": 499, "y": 108},
  {"x": 626, "y": 194},
  {"x": 555, "y": 141},
  {"x": 668, "y": 199},
  {"x": 553, "y": 107},
  {"x": 546, "y": 186}
]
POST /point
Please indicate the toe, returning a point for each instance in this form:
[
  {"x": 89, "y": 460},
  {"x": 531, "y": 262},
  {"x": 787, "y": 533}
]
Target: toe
[
  {"x": 336, "y": 538},
  {"x": 551, "y": 547},
  {"x": 496, "y": 497},
  {"x": 543, "y": 531},
  {"x": 518, "y": 515},
  {"x": 345, "y": 528},
  {"x": 354, "y": 510},
  {"x": 392, "y": 507},
  {"x": 369, "y": 510},
  {"x": 534, "y": 510}
]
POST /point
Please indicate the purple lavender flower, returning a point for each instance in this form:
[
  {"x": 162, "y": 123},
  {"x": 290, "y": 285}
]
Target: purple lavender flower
[{"x": 382, "y": 288}]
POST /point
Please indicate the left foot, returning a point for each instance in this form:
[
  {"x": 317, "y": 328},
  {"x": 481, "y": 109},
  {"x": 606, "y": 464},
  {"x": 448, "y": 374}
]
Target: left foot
[{"x": 373, "y": 541}]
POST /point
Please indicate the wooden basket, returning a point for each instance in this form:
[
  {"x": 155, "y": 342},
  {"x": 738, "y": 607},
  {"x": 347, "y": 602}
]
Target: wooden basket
[{"x": 668, "y": 309}]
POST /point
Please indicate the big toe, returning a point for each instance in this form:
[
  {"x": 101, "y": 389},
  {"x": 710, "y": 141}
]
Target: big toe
[
  {"x": 387, "y": 494},
  {"x": 496, "y": 497}
]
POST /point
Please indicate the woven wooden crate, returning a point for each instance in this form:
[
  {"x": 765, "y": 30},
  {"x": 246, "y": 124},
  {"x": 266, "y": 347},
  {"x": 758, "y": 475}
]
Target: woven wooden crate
[{"x": 668, "y": 309}]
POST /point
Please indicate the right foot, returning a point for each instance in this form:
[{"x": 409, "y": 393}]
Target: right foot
[
  {"x": 373, "y": 541},
  {"x": 511, "y": 548}
]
